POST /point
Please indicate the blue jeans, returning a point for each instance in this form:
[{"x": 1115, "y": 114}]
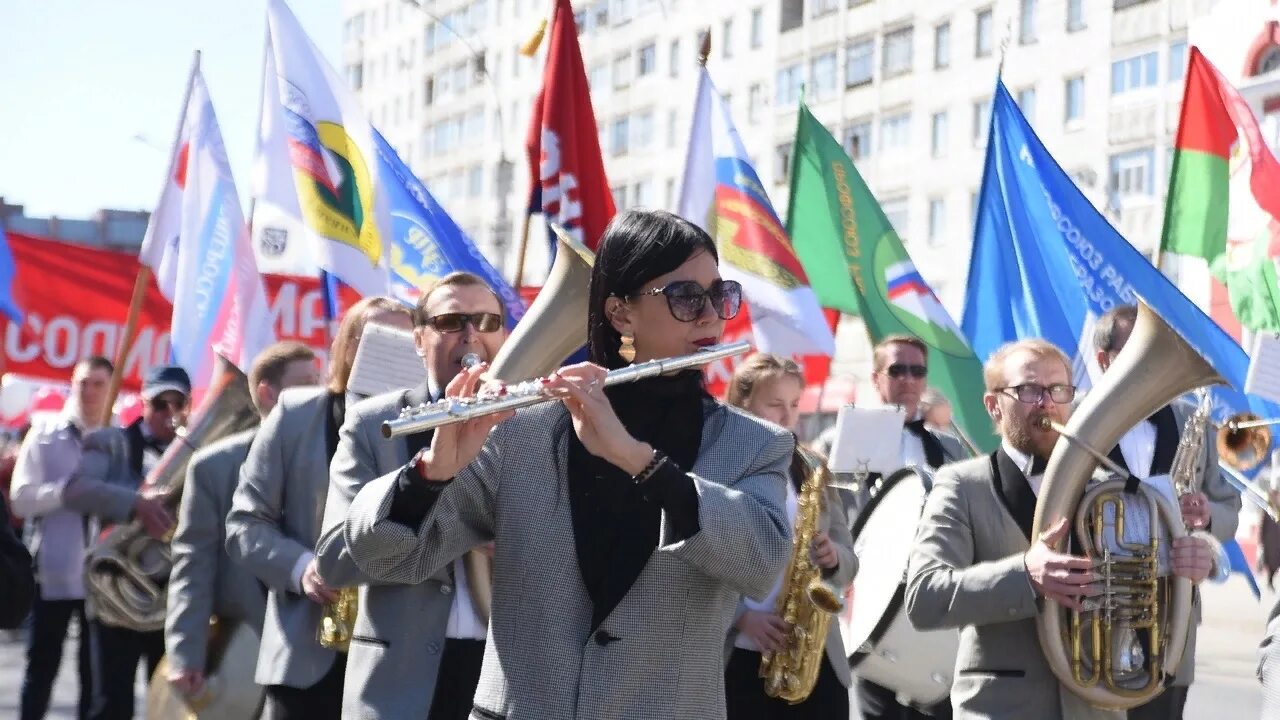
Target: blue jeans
[{"x": 49, "y": 621}]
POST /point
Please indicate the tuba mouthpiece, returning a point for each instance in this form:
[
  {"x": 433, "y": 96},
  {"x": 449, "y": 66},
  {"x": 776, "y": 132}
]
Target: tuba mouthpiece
[{"x": 470, "y": 360}]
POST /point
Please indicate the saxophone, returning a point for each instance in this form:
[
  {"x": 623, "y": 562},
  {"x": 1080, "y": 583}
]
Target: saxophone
[
  {"x": 338, "y": 620},
  {"x": 806, "y": 602}
]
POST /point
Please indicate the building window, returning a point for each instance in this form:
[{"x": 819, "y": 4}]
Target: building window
[
  {"x": 755, "y": 102},
  {"x": 671, "y": 194},
  {"x": 1073, "y": 100},
  {"x": 790, "y": 15},
  {"x": 726, "y": 38},
  {"x": 895, "y": 209},
  {"x": 619, "y": 193},
  {"x": 859, "y": 62},
  {"x": 788, "y": 87},
  {"x": 642, "y": 193},
  {"x": 857, "y": 140},
  {"x": 1132, "y": 175},
  {"x": 781, "y": 163},
  {"x": 622, "y": 71},
  {"x": 671, "y": 128},
  {"x": 1027, "y": 103},
  {"x": 1027, "y": 22},
  {"x": 822, "y": 75},
  {"x": 1177, "y": 61},
  {"x": 822, "y": 7},
  {"x": 598, "y": 79},
  {"x": 981, "y": 120},
  {"x": 937, "y": 220},
  {"x": 757, "y": 28},
  {"x": 1075, "y": 15},
  {"x": 895, "y": 131},
  {"x": 646, "y": 60},
  {"x": 620, "y": 136},
  {"x": 673, "y": 59},
  {"x": 982, "y": 41},
  {"x": 938, "y": 134},
  {"x": 1133, "y": 73},
  {"x": 642, "y": 130},
  {"x": 942, "y": 46},
  {"x": 355, "y": 75},
  {"x": 897, "y": 52},
  {"x": 475, "y": 181}
]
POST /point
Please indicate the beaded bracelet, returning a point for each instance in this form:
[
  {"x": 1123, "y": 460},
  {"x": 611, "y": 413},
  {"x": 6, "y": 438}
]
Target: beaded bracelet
[{"x": 659, "y": 459}]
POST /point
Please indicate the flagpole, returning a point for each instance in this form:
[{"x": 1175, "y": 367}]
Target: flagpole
[
  {"x": 524, "y": 246},
  {"x": 144, "y": 271}
]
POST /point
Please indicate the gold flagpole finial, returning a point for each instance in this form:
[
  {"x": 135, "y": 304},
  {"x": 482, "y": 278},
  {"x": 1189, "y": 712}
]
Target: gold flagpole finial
[
  {"x": 704, "y": 51},
  {"x": 530, "y": 46}
]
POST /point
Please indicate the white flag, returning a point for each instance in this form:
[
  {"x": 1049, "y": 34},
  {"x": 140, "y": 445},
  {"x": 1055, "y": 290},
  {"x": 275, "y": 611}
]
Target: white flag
[{"x": 198, "y": 247}]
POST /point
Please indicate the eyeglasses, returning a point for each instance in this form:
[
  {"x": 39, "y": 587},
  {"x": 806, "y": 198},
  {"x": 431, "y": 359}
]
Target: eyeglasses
[
  {"x": 1033, "y": 393},
  {"x": 901, "y": 370},
  {"x": 686, "y": 298},
  {"x": 160, "y": 404},
  {"x": 454, "y": 322}
]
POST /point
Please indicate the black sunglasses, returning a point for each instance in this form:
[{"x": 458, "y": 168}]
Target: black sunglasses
[
  {"x": 1033, "y": 393},
  {"x": 160, "y": 404},
  {"x": 686, "y": 298},
  {"x": 901, "y": 370},
  {"x": 454, "y": 322}
]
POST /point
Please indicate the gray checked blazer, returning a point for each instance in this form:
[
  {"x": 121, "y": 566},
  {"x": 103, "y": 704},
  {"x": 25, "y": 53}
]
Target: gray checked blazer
[
  {"x": 966, "y": 570},
  {"x": 834, "y": 521},
  {"x": 399, "y": 633},
  {"x": 204, "y": 582},
  {"x": 275, "y": 520},
  {"x": 659, "y": 653},
  {"x": 1269, "y": 664}
]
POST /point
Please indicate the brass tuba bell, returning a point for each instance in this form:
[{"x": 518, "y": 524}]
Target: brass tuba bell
[{"x": 1244, "y": 441}]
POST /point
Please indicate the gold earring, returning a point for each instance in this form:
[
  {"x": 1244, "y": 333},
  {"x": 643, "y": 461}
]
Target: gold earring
[{"x": 628, "y": 349}]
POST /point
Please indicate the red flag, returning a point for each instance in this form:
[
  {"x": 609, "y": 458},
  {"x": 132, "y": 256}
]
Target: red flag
[{"x": 568, "y": 185}]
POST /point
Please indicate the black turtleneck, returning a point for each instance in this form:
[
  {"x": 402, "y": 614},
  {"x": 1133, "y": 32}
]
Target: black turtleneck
[{"x": 616, "y": 521}]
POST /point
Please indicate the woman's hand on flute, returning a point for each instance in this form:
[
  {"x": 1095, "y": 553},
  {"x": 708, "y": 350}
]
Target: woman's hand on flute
[{"x": 581, "y": 387}]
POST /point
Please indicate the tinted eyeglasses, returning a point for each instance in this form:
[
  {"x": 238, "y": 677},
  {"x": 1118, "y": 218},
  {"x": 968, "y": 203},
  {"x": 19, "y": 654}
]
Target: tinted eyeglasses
[
  {"x": 160, "y": 404},
  {"x": 686, "y": 298},
  {"x": 1033, "y": 393},
  {"x": 454, "y": 322},
  {"x": 898, "y": 371}
]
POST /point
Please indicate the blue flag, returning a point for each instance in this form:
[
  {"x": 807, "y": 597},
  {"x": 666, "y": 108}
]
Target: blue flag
[
  {"x": 1046, "y": 264},
  {"x": 426, "y": 243},
  {"x": 8, "y": 272}
]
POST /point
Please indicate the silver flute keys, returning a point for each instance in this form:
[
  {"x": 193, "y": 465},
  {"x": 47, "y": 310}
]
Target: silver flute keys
[{"x": 532, "y": 392}]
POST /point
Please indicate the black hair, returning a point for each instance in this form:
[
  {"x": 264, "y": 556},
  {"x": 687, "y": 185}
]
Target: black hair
[{"x": 638, "y": 246}]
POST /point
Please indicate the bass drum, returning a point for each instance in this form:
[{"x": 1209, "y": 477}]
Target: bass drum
[
  {"x": 230, "y": 692},
  {"x": 918, "y": 665}
]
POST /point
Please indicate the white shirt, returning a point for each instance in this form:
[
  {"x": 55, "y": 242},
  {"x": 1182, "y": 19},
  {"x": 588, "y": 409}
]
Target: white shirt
[
  {"x": 1024, "y": 463},
  {"x": 912, "y": 452},
  {"x": 769, "y": 602},
  {"x": 464, "y": 622},
  {"x": 1138, "y": 446}
]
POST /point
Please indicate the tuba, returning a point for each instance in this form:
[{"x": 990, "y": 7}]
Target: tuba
[
  {"x": 127, "y": 571},
  {"x": 806, "y": 602},
  {"x": 1118, "y": 651}
]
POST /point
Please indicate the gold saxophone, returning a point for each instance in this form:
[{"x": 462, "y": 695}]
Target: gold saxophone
[
  {"x": 338, "y": 620},
  {"x": 807, "y": 602}
]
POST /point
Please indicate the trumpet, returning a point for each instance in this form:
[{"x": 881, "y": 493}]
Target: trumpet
[{"x": 533, "y": 392}]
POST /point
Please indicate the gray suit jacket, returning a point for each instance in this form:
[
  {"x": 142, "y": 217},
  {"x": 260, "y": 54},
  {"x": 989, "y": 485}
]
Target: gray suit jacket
[
  {"x": 659, "y": 653},
  {"x": 966, "y": 571},
  {"x": 204, "y": 582},
  {"x": 275, "y": 520},
  {"x": 834, "y": 521},
  {"x": 1269, "y": 664},
  {"x": 105, "y": 486},
  {"x": 400, "y": 630}
]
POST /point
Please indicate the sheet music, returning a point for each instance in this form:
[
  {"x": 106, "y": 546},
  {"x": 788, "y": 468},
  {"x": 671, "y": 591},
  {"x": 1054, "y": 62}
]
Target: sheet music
[
  {"x": 1263, "y": 379},
  {"x": 867, "y": 440},
  {"x": 1137, "y": 521},
  {"x": 385, "y": 360}
]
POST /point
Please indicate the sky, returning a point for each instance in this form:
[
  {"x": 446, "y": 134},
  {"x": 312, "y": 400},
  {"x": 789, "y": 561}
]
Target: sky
[{"x": 81, "y": 79}]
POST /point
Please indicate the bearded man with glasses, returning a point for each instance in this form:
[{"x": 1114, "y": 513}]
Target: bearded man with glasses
[{"x": 416, "y": 650}]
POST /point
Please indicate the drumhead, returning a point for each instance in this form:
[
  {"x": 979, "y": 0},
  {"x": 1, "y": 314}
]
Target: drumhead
[{"x": 882, "y": 538}]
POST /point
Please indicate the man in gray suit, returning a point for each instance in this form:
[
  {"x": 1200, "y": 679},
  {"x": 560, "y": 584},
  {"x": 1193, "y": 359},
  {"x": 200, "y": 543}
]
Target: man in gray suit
[
  {"x": 974, "y": 565},
  {"x": 275, "y": 521},
  {"x": 204, "y": 583},
  {"x": 900, "y": 374},
  {"x": 1148, "y": 449},
  {"x": 416, "y": 649}
]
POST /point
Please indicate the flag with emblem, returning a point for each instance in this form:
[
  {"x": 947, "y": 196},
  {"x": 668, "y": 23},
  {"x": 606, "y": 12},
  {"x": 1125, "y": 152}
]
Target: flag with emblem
[
  {"x": 318, "y": 163},
  {"x": 198, "y": 247},
  {"x": 858, "y": 264},
  {"x": 722, "y": 194}
]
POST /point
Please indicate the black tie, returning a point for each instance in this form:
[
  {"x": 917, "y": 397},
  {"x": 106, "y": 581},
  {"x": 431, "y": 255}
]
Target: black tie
[
  {"x": 934, "y": 455},
  {"x": 1038, "y": 465}
]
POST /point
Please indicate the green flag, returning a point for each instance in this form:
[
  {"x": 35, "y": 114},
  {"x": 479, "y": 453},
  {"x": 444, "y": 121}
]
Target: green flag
[{"x": 857, "y": 264}]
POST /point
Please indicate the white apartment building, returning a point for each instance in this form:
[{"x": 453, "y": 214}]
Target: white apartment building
[{"x": 904, "y": 84}]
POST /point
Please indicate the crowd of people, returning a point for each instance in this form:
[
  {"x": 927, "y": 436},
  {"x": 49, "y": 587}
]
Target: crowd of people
[{"x": 617, "y": 553}]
